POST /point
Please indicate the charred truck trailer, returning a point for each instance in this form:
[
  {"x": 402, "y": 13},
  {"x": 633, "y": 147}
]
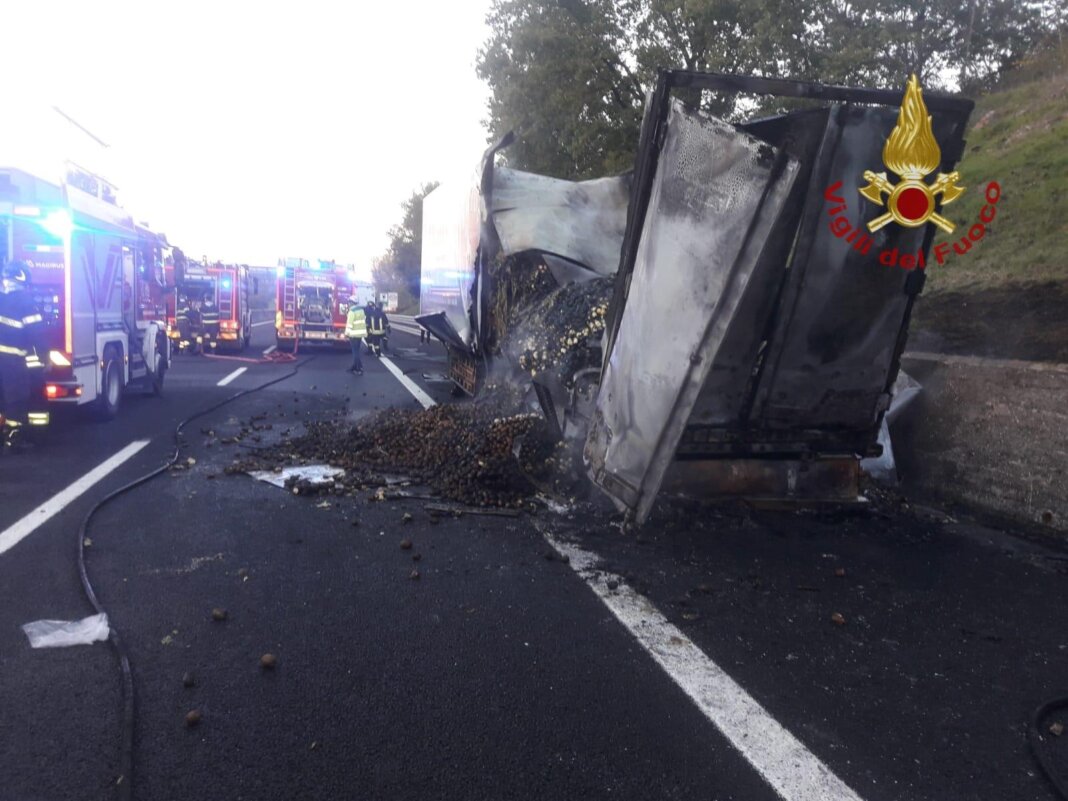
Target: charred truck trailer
[
  {"x": 715, "y": 323},
  {"x": 313, "y": 301},
  {"x": 99, "y": 283}
]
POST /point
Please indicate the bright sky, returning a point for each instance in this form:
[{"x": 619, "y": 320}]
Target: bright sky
[{"x": 248, "y": 131}]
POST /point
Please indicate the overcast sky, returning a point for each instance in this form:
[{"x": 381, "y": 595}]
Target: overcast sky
[{"x": 248, "y": 131}]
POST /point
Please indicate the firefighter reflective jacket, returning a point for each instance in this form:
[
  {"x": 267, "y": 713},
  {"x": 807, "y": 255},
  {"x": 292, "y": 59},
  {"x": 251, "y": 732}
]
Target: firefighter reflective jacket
[
  {"x": 209, "y": 316},
  {"x": 356, "y": 323},
  {"x": 378, "y": 323},
  {"x": 18, "y": 320}
]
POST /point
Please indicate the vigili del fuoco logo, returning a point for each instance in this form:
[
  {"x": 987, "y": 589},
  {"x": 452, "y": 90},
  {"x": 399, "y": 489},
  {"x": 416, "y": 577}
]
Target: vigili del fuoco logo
[{"x": 912, "y": 153}]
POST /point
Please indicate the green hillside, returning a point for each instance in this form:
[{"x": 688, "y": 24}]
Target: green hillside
[
  {"x": 1008, "y": 297},
  {"x": 1018, "y": 136}
]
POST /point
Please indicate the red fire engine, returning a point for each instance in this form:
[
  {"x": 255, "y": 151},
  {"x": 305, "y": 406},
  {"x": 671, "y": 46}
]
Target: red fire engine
[
  {"x": 313, "y": 302},
  {"x": 99, "y": 283},
  {"x": 225, "y": 286}
]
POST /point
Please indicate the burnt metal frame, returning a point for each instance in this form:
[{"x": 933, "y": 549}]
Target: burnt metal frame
[{"x": 648, "y": 156}]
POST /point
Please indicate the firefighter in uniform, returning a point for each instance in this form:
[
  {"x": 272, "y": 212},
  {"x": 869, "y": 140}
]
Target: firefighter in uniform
[
  {"x": 181, "y": 320},
  {"x": 19, "y": 322},
  {"x": 356, "y": 331},
  {"x": 376, "y": 324},
  {"x": 209, "y": 318}
]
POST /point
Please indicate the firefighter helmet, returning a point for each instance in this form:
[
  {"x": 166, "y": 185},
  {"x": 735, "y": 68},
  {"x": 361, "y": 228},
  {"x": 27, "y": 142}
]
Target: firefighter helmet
[{"x": 15, "y": 273}]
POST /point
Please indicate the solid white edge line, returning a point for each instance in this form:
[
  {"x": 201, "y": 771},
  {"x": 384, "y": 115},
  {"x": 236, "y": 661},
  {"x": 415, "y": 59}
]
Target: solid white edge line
[
  {"x": 794, "y": 772},
  {"x": 15, "y": 533},
  {"x": 270, "y": 350},
  {"x": 227, "y": 379},
  {"x": 263, "y": 322},
  {"x": 407, "y": 383}
]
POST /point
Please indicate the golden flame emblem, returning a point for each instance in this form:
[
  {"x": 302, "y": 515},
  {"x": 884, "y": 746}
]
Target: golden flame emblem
[{"x": 912, "y": 152}]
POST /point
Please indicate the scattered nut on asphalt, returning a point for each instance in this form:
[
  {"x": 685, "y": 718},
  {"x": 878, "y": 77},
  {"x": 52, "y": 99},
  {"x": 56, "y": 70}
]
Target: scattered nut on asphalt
[
  {"x": 192, "y": 717},
  {"x": 188, "y": 679},
  {"x": 268, "y": 661},
  {"x": 413, "y": 575},
  {"x": 242, "y": 572},
  {"x": 218, "y": 614},
  {"x": 837, "y": 619},
  {"x": 406, "y": 544},
  {"x": 1056, "y": 729},
  {"x": 416, "y": 557},
  {"x": 406, "y": 517}
]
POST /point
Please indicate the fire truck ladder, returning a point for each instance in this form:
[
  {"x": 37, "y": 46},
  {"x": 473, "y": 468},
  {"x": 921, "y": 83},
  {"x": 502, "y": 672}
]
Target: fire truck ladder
[{"x": 289, "y": 294}]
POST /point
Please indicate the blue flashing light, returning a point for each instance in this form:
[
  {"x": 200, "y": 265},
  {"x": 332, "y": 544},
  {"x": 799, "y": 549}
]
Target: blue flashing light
[
  {"x": 226, "y": 283},
  {"x": 58, "y": 223}
]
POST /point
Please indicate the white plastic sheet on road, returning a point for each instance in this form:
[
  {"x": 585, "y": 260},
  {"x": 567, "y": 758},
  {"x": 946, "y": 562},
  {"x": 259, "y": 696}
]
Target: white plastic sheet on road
[
  {"x": 61, "y": 633},
  {"x": 317, "y": 474}
]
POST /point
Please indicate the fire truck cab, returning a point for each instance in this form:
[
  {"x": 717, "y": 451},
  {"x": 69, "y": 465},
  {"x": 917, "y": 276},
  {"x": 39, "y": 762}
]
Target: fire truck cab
[
  {"x": 223, "y": 286},
  {"x": 98, "y": 279},
  {"x": 313, "y": 302}
]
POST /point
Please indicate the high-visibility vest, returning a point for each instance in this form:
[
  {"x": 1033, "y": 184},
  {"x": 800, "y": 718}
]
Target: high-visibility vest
[
  {"x": 378, "y": 324},
  {"x": 356, "y": 324}
]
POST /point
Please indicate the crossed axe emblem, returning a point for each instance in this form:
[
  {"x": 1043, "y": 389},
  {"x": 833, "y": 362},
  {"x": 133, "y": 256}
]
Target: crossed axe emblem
[{"x": 911, "y": 202}]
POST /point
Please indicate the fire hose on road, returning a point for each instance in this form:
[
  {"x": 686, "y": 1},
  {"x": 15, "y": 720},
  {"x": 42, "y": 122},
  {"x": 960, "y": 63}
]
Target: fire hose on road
[{"x": 126, "y": 764}]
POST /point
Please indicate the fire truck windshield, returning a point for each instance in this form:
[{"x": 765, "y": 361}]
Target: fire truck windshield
[{"x": 196, "y": 290}]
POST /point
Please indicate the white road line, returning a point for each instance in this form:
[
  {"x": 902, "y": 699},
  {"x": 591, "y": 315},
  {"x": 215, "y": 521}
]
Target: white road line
[
  {"x": 793, "y": 771},
  {"x": 224, "y": 381},
  {"x": 263, "y": 322},
  {"x": 57, "y": 503},
  {"x": 406, "y": 329},
  {"x": 270, "y": 350},
  {"x": 407, "y": 383}
]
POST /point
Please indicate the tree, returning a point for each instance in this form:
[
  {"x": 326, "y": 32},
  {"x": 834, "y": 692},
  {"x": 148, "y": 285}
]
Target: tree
[
  {"x": 570, "y": 76},
  {"x": 558, "y": 78},
  {"x": 397, "y": 270}
]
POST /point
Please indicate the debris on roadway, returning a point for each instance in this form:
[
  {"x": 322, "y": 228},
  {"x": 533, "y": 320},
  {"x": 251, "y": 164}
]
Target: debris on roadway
[{"x": 486, "y": 453}]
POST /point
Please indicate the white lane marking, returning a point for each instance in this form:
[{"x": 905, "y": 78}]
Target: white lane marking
[
  {"x": 263, "y": 322},
  {"x": 270, "y": 350},
  {"x": 15, "y": 533},
  {"x": 406, "y": 329},
  {"x": 408, "y": 384},
  {"x": 226, "y": 380},
  {"x": 794, "y": 772}
]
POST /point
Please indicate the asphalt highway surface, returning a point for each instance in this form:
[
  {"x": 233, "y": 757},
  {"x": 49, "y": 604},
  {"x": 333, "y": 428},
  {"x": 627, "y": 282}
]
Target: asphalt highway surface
[{"x": 880, "y": 652}]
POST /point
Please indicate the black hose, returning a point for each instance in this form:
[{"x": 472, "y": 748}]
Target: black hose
[
  {"x": 1034, "y": 737},
  {"x": 125, "y": 780}
]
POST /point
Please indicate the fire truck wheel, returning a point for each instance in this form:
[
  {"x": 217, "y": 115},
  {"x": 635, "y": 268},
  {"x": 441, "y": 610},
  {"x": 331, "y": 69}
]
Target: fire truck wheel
[
  {"x": 157, "y": 376},
  {"x": 111, "y": 387}
]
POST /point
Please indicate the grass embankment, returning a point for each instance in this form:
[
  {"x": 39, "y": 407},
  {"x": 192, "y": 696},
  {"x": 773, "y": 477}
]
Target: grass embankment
[{"x": 1008, "y": 296}]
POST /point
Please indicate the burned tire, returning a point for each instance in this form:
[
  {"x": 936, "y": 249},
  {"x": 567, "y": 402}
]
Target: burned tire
[{"x": 107, "y": 405}]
